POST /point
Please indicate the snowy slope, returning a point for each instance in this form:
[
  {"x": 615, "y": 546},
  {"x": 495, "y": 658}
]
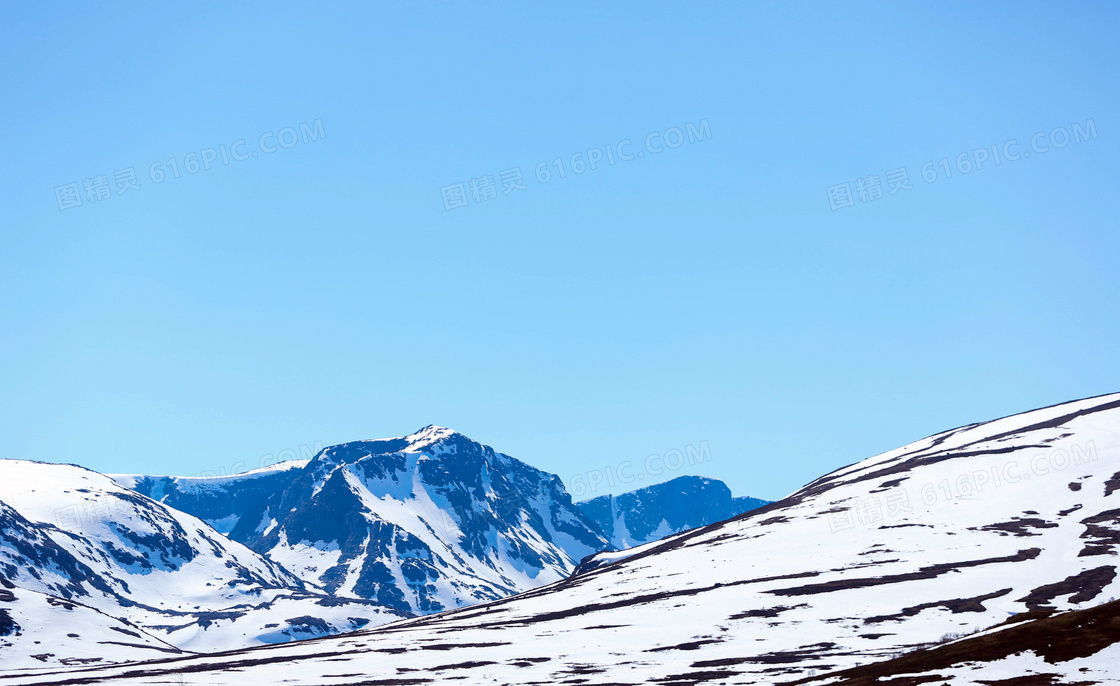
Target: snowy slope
[
  {"x": 654, "y": 512},
  {"x": 950, "y": 534},
  {"x": 421, "y": 523},
  {"x": 82, "y": 635},
  {"x": 78, "y": 535}
]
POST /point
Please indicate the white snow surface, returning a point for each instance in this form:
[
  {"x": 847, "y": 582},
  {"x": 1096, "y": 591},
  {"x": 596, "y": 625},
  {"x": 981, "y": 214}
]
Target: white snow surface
[
  {"x": 85, "y": 637},
  {"x": 991, "y": 512}
]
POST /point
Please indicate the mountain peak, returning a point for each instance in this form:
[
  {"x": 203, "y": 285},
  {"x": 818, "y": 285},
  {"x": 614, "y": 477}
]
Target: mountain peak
[
  {"x": 460, "y": 521},
  {"x": 428, "y": 439},
  {"x": 432, "y": 435}
]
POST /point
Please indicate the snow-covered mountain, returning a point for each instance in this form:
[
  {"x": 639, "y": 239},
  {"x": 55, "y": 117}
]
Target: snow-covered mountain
[
  {"x": 654, "y": 512},
  {"x": 432, "y": 520},
  {"x": 74, "y": 539},
  {"x": 956, "y": 533},
  {"x": 421, "y": 523}
]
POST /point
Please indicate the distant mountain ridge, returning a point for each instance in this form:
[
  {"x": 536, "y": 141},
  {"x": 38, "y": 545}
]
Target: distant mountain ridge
[
  {"x": 428, "y": 521},
  {"x": 654, "y": 512},
  {"x": 218, "y": 500}
]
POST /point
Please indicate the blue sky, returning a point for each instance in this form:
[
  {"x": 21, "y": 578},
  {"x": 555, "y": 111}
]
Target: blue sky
[{"x": 700, "y": 294}]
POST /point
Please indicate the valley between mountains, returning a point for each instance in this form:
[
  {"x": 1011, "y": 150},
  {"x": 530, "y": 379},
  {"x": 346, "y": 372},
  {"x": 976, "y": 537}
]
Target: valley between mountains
[{"x": 981, "y": 555}]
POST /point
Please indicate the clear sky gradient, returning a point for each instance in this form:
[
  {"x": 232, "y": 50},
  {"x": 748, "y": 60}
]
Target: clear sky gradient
[{"x": 708, "y": 292}]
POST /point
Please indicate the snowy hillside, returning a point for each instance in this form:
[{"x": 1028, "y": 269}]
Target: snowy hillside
[
  {"x": 77, "y": 536},
  {"x": 79, "y": 635},
  {"x": 421, "y": 523},
  {"x": 654, "y": 512},
  {"x": 951, "y": 534},
  {"x": 1076, "y": 647}
]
